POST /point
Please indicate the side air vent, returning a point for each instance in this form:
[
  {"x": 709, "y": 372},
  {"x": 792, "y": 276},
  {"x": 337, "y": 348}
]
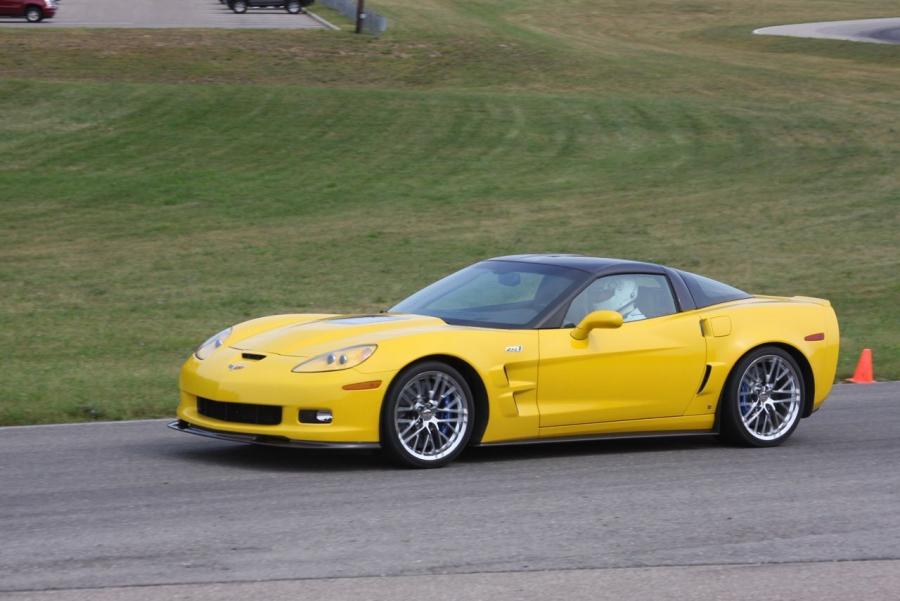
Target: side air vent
[
  {"x": 253, "y": 356},
  {"x": 705, "y": 379}
]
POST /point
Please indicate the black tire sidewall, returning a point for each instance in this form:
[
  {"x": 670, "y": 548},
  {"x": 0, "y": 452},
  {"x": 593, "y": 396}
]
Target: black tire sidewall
[
  {"x": 239, "y": 7},
  {"x": 290, "y": 6},
  {"x": 732, "y": 426},
  {"x": 34, "y": 10},
  {"x": 390, "y": 442}
]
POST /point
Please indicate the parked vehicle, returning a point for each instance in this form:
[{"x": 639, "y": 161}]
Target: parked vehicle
[
  {"x": 294, "y": 7},
  {"x": 34, "y": 11}
]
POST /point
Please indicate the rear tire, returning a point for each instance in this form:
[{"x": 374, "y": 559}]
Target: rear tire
[
  {"x": 428, "y": 416},
  {"x": 239, "y": 6},
  {"x": 34, "y": 14},
  {"x": 763, "y": 398},
  {"x": 294, "y": 7}
]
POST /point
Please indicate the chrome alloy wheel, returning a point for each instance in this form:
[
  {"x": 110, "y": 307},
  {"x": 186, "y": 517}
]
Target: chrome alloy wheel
[
  {"x": 769, "y": 397},
  {"x": 431, "y": 415}
]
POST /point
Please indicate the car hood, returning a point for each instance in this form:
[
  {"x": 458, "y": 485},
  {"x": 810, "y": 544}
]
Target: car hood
[{"x": 324, "y": 335}]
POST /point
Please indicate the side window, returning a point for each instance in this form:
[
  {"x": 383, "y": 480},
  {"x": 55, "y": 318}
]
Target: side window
[
  {"x": 636, "y": 296},
  {"x": 708, "y": 292}
]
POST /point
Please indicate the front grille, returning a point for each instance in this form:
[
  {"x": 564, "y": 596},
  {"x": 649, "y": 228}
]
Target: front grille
[{"x": 244, "y": 413}]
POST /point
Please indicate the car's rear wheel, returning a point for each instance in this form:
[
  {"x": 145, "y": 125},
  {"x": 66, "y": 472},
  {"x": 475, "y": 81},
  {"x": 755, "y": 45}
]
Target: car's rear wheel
[
  {"x": 763, "y": 398},
  {"x": 427, "y": 416},
  {"x": 294, "y": 7},
  {"x": 239, "y": 6},
  {"x": 34, "y": 14}
]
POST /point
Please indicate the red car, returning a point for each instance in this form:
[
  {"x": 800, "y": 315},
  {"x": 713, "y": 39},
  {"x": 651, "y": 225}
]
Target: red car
[{"x": 32, "y": 10}]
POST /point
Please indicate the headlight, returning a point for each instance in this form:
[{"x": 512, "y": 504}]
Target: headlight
[
  {"x": 205, "y": 350},
  {"x": 344, "y": 358}
]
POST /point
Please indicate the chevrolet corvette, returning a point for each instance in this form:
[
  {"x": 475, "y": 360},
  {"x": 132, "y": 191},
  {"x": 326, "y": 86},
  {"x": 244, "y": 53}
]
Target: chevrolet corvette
[{"x": 520, "y": 349}]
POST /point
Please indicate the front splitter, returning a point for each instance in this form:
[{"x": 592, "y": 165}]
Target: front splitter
[{"x": 261, "y": 439}]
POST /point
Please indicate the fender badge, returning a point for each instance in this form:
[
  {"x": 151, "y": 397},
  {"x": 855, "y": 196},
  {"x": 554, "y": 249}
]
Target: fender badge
[
  {"x": 514, "y": 349},
  {"x": 236, "y": 366}
]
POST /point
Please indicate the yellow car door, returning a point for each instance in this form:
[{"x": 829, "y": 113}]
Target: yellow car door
[{"x": 649, "y": 367}]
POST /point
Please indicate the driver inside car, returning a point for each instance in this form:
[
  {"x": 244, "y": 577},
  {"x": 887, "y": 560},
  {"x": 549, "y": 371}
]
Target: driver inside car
[{"x": 616, "y": 293}]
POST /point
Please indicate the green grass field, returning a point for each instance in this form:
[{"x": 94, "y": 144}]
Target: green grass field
[{"x": 156, "y": 186}]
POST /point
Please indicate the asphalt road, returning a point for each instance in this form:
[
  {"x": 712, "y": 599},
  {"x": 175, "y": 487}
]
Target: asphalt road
[
  {"x": 878, "y": 31},
  {"x": 164, "y": 14},
  {"x": 129, "y": 511}
]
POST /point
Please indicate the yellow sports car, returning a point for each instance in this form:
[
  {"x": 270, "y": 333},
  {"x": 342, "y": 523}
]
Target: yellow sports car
[{"x": 526, "y": 348}]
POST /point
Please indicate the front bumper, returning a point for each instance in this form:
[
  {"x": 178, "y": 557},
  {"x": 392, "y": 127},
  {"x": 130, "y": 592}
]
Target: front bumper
[
  {"x": 267, "y": 440},
  {"x": 356, "y": 413}
]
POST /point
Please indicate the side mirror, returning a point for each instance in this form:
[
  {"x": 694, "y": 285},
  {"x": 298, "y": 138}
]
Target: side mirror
[{"x": 597, "y": 319}]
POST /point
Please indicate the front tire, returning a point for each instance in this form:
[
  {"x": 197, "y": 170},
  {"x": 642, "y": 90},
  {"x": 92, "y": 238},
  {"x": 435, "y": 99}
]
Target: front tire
[
  {"x": 33, "y": 14},
  {"x": 427, "y": 416},
  {"x": 239, "y": 6},
  {"x": 294, "y": 7},
  {"x": 763, "y": 398}
]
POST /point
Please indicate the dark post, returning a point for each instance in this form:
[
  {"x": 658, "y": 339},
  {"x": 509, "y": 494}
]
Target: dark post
[{"x": 360, "y": 14}]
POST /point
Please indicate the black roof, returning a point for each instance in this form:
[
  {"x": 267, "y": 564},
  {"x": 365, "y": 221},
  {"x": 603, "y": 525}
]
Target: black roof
[{"x": 584, "y": 263}]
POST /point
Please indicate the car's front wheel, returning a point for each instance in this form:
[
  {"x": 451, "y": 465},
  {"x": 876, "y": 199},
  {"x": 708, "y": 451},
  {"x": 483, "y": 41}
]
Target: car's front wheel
[
  {"x": 294, "y": 7},
  {"x": 239, "y": 6},
  {"x": 763, "y": 398},
  {"x": 34, "y": 14},
  {"x": 427, "y": 416}
]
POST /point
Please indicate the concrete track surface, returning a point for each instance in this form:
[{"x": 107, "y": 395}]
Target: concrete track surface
[
  {"x": 132, "y": 510},
  {"x": 155, "y": 14},
  {"x": 878, "y": 31}
]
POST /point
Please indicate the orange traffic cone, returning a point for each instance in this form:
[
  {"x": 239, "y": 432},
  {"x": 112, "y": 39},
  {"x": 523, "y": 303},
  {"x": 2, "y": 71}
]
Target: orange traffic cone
[{"x": 863, "y": 373}]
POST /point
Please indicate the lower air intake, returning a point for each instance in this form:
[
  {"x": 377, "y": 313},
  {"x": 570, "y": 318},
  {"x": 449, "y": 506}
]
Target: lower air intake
[{"x": 242, "y": 413}]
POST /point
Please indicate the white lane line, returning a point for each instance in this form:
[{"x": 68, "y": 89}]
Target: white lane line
[{"x": 104, "y": 423}]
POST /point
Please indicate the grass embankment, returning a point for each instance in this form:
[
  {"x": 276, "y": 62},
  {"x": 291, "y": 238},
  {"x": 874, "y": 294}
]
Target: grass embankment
[{"x": 158, "y": 185}]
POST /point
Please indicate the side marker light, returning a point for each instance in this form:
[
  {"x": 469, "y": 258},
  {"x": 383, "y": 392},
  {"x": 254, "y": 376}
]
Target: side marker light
[{"x": 363, "y": 385}]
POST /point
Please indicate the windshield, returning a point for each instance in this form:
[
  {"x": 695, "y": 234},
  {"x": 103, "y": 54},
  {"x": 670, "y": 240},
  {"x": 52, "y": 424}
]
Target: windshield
[{"x": 502, "y": 294}]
